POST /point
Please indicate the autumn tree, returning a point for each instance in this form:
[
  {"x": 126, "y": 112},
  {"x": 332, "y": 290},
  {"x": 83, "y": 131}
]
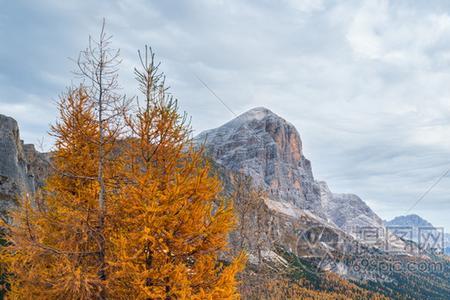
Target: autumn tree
[
  {"x": 98, "y": 68},
  {"x": 174, "y": 225},
  {"x": 54, "y": 240},
  {"x": 130, "y": 210}
]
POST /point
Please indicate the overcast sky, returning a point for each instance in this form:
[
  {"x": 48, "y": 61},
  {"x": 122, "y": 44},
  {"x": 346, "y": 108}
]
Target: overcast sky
[{"x": 366, "y": 83}]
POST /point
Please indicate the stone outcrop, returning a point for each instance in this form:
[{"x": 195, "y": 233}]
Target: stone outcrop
[
  {"x": 22, "y": 168},
  {"x": 347, "y": 211}
]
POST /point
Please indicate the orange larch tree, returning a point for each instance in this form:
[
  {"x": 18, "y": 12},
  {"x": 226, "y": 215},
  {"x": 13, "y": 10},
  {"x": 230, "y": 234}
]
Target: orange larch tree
[
  {"x": 54, "y": 241},
  {"x": 131, "y": 210},
  {"x": 174, "y": 225}
]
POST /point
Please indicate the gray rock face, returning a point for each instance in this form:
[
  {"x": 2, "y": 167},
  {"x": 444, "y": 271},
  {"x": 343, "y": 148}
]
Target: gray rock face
[
  {"x": 38, "y": 165},
  {"x": 14, "y": 176},
  {"x": 267, "y": 148},
  {"x": 17, "y": 165},
  {"x": 347, "y": 211}
]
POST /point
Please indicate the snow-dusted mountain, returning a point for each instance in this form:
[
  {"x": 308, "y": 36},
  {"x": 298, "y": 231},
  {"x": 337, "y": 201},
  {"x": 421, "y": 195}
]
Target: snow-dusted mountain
[{"x": 269, "y": 149}]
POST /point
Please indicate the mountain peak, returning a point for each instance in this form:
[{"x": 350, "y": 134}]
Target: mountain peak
[
  {"x": 409, "y": 220},
  {"x": 254, "y": 115},
  {"x": 254, "y": 121},
  {"x": 258, "y": 113},
  {"x": 267, "y": 148}
]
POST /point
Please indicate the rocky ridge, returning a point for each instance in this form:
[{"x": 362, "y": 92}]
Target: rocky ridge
[
  {"x": 347, "y": 211},
  {"x": 297, "y": 225},
  {"x": 258, "y": 144}
]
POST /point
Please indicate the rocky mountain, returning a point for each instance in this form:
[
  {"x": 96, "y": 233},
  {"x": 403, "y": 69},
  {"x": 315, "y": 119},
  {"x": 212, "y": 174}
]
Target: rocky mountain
[
  {"x": 416, "y": 222},
  {"x": 409, "y": 220},
  {"x": 267, "y": 148},
  {"x": 293, "y": 226},
  {"x": 22, "y": 168}
]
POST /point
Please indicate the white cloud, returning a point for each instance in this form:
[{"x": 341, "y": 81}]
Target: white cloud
[
  {"x": 390, "y": 33},
  {"x": 307, "y": 6}
]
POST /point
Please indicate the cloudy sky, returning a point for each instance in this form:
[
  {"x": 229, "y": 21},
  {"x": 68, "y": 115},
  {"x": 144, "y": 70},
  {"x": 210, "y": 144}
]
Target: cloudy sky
[{"x": 367, "y": 83}]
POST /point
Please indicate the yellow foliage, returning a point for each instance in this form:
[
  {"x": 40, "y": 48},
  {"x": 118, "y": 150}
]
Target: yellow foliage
[
  {"x": 53, "y": 240},
  {"x": 164, "y": 228},
  {"x": 173, "y": 225}
]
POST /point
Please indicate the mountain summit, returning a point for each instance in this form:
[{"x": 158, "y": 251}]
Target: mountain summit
[
  {"x": 415, "y": 222},
  {"x": 409, "y": 220},
  {"x": 267, "y": 148}
]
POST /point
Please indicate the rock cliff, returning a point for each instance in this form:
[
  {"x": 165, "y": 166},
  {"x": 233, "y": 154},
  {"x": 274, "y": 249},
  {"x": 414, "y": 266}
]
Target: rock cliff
[
  {"x": 258, "y": 144},
  {"x": 22, "y": 168},
  {"x": 347, "y": 211},
  {"x": 267, "y": 148}
]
